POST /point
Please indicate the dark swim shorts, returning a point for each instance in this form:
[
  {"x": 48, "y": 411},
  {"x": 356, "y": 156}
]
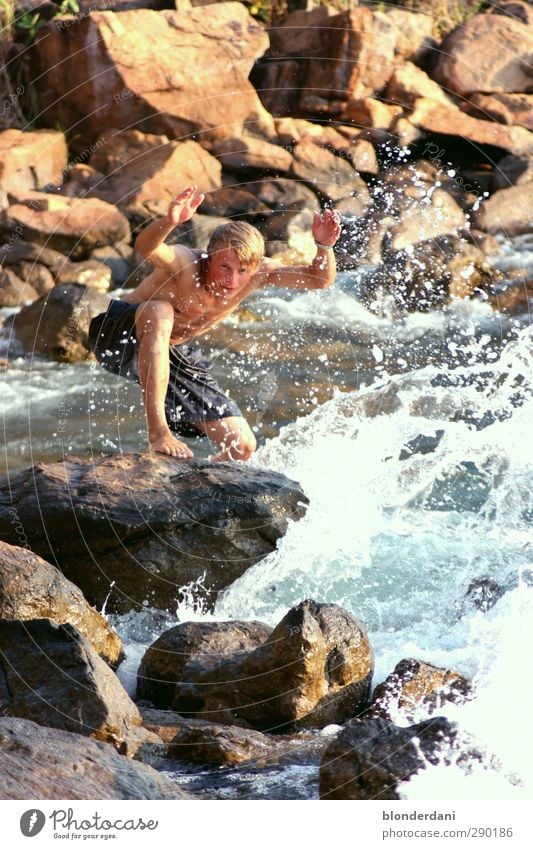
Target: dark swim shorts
[{"x": 192, "y": 395}]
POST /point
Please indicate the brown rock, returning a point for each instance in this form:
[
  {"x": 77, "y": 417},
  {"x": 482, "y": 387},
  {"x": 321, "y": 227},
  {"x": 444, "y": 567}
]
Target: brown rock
[
  {"x": 371, "y": 113},
  {"x": 435, "y": 117},
  {"x": 516, "y": 109},
  {"x": 313, "y": 670},
  {"x": 318, "y": 61},
  {"x": 487, "y": 53},
  {"x": 70, "y": 225},
  {"x": 37, "y": 275},
  {"x": 57, "y": 324},
  {"x": 197, "y": 741},
  {"x": 31, "y": 588},
  {"x": 413, "y": 31},
  {"x": 131, "y": 546},
  {"x": 51, "y": 675},
  {"x": 62, "y": 765},
  {"x": 249, "y": 153},
  {"x": 163, "y": 663},
  {"x": 330, "y": 175},
  {"x": 29, "y": 160},
  {"x": 18, "y": 250},
  {"x": 420, "y": 221},
  {"x": 441, "y": 267},
  {"x": 513, "y": 297},
  {"x": 168, "y": 72},
  {"x": 118, "y": 258},
  {"x": 513, "y": 171},
  {"x": 408, "y": 83},
  {"x": 509, "y": 211},
  {"x": 15, "y": 292},
  {"x": 233, "y": 202},
  {"x": 283, "y": 195},
  {"x": 369, "y": 760},
  {"x": 90, "y": 272},
  {"x": 414, "y": 684},
  {"x": 81, "y": 181},
  {"x": 139, "y": 167},
  {"x": 518, "y": 9}
]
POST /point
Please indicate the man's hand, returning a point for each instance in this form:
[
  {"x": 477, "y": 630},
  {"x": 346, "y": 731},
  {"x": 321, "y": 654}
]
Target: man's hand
[
  {"x": 184, "y": 206},
  {"x": 326, "y": 227}
]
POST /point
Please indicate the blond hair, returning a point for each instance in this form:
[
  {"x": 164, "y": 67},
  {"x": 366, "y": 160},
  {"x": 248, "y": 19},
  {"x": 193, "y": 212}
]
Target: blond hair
[{"x": 246, "y": 241}]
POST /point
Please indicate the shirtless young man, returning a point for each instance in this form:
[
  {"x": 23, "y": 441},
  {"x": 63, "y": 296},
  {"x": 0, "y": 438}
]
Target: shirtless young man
[{"x": 143, "y": 336}]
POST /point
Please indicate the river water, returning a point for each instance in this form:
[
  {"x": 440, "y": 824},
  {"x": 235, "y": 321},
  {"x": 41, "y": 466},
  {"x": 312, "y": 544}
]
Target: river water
[{"x": 334, "y": 393}]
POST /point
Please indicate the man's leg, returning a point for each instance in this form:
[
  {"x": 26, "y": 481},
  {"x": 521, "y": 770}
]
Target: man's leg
[
  {"x": 153, "y": 328},
  {"x": 232, "y": 436}
]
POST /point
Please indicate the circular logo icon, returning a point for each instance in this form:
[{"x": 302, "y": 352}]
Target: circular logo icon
[{"x": 32, "y": 822}]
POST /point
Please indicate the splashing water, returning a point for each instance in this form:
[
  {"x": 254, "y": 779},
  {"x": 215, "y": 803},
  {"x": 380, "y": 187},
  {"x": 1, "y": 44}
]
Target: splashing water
[{"x": 398, "y": 541}]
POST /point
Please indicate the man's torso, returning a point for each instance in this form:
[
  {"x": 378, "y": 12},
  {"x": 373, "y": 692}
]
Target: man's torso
[{"x": 196, "y": 310}]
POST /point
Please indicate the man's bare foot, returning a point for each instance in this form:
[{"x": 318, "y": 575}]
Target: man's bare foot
[{"x": 168, "y": 444}]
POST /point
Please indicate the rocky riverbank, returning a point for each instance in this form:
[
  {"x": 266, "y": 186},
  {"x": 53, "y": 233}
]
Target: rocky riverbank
[{"x": 385, "y": 114}]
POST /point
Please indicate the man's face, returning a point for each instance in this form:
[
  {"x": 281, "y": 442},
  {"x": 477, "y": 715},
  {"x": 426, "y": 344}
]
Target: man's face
[{"x": 226, "y": 275}]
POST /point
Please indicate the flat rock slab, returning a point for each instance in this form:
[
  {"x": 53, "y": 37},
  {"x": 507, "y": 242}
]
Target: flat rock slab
[
  {"x": 139, "y": 529},
  {"x": 62, "y": 765}
]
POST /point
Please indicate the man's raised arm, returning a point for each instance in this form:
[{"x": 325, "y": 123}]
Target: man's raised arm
[
  {"x": 150, "y": 242},
  {"x": 320, "y": 274}
]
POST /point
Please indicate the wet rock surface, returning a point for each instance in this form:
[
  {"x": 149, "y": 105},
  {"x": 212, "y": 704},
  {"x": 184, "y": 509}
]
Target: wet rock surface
[
  {"x": 314, "y": 669},
  {"x": 163, "y": 664},
  {"x": 51, "y": 675},
  {"x": 369, "y": 760},
  {"x": 192, "y": 524},
  {"x": 63, "y": 765},
  {"x": 31, "y": 588}
]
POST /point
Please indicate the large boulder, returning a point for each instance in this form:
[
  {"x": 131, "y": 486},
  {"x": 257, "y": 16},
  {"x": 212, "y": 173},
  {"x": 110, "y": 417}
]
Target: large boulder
[
  {"x": 57, "y": 325},
  {"x": 370, "y": 759},
  {"x": 73, "y": 226},
  {"x": 63, "y": 765},
  {"x": 505, "y": 107},
  {"x": 163, "y": 663},
  {"x": 247, "y": 153},
  {"x": 15, "y": 292},
  {"x": 30, "y": 160},
  {"x": 167, "y": 72},
  {"x": 487, "y": 53},
  {"x": 314, "y": 669},
  {"x": 51, "y": 675},
  {"x": 412, "y": 31},
  {"x": 139, "y": 168},
  {"x": 437, "y": 117},
  {"x": 318, "y": 61},
  {"x": 31, "y": 588},
  {"x": 408, "y": 83},
  {"x": 509, "y": 211},
  {"x": 140, "y": 529}
]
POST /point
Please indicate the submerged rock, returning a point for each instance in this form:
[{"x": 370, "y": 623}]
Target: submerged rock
[
  {"x": 415, "y": 684},
  {"x": 142, "y": 529},
  {"x": 369, "y": 760},
  {"x": 62, "y": 765},
  {"x": 163, "y": 663},
  {"x": 51, "y": 675},
  {"x": 31, "y": 588},
  {"x": 57, "y": 325},
  {"x": 314, "y": 669}
]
